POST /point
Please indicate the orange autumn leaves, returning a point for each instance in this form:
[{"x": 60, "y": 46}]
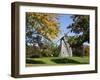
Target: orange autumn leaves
[{"x": 45, "y": 24}]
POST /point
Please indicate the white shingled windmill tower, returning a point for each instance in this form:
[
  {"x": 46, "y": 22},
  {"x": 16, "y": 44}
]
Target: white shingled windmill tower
[{"x": 66, "y": 50}]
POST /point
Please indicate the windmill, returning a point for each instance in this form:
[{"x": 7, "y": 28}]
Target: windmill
[{"x": 65, "y": 49}]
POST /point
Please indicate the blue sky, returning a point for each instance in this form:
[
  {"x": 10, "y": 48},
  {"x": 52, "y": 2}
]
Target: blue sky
[{"x": 65, "y": 20}]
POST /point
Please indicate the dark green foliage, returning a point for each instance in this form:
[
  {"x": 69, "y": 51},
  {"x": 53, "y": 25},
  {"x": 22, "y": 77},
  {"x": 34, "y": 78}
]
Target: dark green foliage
[
  {"x": 77, "y": 51},
  {"x": 48, "y": 49},
  {"x": 33, "y": 51},
  {"x": 80, "y": 27},
  {"x": 55, "y": 50},
  {"x": 76, "y": 45}
]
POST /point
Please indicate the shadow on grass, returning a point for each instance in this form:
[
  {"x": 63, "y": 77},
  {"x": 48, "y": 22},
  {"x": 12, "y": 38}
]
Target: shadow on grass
[
  {"x": 66, "y": 60},
  {"x": 34, "y": 61}
]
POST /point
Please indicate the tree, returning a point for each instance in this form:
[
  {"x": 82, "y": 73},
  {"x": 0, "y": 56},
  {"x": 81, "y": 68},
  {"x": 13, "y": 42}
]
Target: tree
[
  {"x": 41, "y": 25},
  {"x": 44, "y": 24},
  {"x": 41, "y": 28},
  {"x": 76, "y": 45},
  {"x": 80, "y": 26}
]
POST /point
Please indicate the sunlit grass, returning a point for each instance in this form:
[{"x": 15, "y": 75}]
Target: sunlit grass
[{"x": 56, "y": 61}]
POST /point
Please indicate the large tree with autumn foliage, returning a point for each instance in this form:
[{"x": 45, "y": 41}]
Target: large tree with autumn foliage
[
  {"x": 42, "y": 24},
  {"x": 41, "y": 27}
]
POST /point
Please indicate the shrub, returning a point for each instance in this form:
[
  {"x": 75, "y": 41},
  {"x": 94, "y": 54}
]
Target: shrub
[{"x": 87, "y": 50}]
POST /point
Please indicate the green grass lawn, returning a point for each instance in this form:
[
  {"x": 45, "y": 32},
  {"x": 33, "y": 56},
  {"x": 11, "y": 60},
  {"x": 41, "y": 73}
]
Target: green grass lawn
[{"x": 56, "y": 61}]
